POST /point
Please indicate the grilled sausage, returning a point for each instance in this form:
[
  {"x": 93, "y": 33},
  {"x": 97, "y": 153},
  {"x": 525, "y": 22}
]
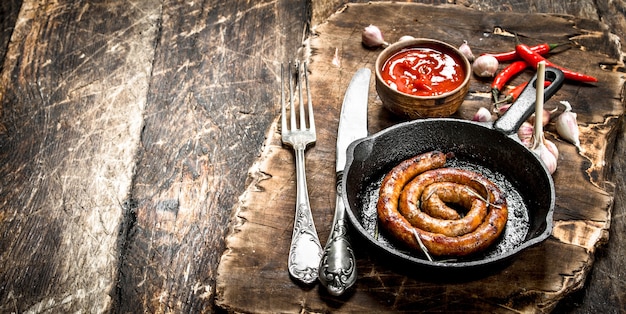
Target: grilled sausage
[
  {"x": 422, "y": 202},
  {"x": 435, "y": 196},
  {"x": 426, "y": 166}
]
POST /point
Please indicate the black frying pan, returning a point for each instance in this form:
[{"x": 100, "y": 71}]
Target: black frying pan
[{"x": 492, "y": 149}]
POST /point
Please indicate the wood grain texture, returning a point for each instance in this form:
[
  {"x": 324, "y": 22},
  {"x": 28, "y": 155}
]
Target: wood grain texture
[
  {"x": 74, "y": 88},
  {"x": 584, "y": 191},
  {"x": 118, "y": 127},
  {"x": 209, "y": 103},
  {"x": 122, "y": 121}
]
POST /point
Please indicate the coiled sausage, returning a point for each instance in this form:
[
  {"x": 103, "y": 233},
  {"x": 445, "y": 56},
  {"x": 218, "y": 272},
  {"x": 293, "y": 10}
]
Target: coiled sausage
[
  {"x": 418, "y": 173},
  {"x": 424, "y": 213}
]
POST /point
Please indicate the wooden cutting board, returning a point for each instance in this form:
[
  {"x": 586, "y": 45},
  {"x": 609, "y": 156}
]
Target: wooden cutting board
[{"x": 252, "y": 276}]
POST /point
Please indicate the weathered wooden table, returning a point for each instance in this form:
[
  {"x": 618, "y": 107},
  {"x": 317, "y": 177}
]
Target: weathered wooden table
[{"x": 134, "y": 135}]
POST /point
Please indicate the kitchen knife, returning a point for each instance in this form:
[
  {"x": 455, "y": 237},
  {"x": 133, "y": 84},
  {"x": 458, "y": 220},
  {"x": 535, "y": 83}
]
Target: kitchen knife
[{"x": 337, "y": 271}]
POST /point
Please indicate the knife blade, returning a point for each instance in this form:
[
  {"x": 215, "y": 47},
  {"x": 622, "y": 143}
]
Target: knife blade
[
  {"x": 337, "y": 271},
  {"x": 353, "y": 118}
]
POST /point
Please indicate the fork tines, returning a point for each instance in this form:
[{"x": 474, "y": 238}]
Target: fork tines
[{"x": 297, "y": 74}]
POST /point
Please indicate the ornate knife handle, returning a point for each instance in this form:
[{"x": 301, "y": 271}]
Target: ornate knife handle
[
  {"x": 305, "y": 251},
  {"x": 337, "y": 270}
]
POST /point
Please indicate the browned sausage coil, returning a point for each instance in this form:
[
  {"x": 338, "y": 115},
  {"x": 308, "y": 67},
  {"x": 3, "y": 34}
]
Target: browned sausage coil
[{"x": 414, "y": 201}]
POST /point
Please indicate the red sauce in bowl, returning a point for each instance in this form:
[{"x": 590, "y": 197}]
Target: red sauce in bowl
[{"x": 423, "y": 71}]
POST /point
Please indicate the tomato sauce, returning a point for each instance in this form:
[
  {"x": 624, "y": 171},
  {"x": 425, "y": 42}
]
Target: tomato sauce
[{"x": 422, "y": 71}]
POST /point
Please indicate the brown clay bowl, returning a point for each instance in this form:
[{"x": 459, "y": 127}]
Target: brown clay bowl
[{"x": 411, "y": 106}]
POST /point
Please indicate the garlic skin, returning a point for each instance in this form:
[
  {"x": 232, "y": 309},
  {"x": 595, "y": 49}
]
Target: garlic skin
[
  {"x": 373, "y": 37},
  {"x": 551, "y": 148},
  {"x": 545, "y": 118},
  {"x": 500, "y": 110},
  {"x": 547, "y": 157},
  {"x": 485, "y": 66},
  {"x": 567, "y": 126},
  {"x": 467, "y": 51},
  {"x": 525, "y": 133},
  {"x": 482, "y": 115},
  {"x": 545, "y": 149}
]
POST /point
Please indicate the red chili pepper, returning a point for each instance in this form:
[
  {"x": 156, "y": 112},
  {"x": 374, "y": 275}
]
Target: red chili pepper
[
  {"x": 533, "y": 58},
  {"x": 517, "y": 90},
  {"x": 541, "y": 49},
  {"x": 505, "y": 75}
]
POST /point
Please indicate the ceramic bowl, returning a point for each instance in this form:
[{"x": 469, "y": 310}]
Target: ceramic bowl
[{"x": 443, "y": 100}]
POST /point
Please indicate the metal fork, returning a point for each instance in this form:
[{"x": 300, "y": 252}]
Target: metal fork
[{"x": 305, "y": 251}]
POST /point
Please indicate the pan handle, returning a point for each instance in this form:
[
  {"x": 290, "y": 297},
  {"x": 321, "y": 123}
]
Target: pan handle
[{"x": 524, "y": 106}]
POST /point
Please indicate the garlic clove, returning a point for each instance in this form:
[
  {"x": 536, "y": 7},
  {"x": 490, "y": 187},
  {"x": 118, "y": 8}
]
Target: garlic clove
[
  {"x": 547, "y": 157},
  {"x": 373, "y": 37},
  {"x": 482, "y": 115},
  {"x": 467, "y": 51},
  {"x": 485, "y": 66},
  {"x": 406, "y": 37},
  {"x": 525, "y": 133},
  {"x": 551, "y": 148},
  {"x": 567, "y": 127}
]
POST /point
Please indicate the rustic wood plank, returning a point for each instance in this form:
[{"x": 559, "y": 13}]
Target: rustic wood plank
[
  {"x": 73, "y": 91},
  {"x": 212, "y": 96},
  {"x": 610, "y": 12},
  {"x": 194, "y": 75},
  {"x": 603, "y": 291},
  {"x": 541, "y": 283}
]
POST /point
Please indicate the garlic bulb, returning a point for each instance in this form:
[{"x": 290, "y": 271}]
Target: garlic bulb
[
  {"x": 485, "y": 66},
  {"x": 467, "y": 51},
  {"x": 547, "y": 157},
  {"x": 545, "y": 149},
  {"x": 373, "y": 37},
  {"x": 482, "y": 115},
  {"x": 567, "y": 126},
  {"x": 551, "y": 148},
  {"x": 539, "y": 141}
]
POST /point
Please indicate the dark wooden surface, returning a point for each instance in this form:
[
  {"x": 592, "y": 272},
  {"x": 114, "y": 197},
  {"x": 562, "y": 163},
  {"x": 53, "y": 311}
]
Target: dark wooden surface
[
  {"x": 127, "y": 130},
  {"x": 581, "y": 223}
]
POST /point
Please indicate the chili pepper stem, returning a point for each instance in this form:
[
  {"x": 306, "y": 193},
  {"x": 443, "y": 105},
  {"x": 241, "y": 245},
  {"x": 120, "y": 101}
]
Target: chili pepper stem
[
  {"x": 504, "y": 100},
  {"x": 496, "y": 93}
]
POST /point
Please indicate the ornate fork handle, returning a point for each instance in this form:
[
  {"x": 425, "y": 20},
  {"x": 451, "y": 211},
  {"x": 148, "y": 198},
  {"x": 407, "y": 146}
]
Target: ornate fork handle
[
  {"x": 305, "y": 251},
  {"x": 338, "y": 265}
]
